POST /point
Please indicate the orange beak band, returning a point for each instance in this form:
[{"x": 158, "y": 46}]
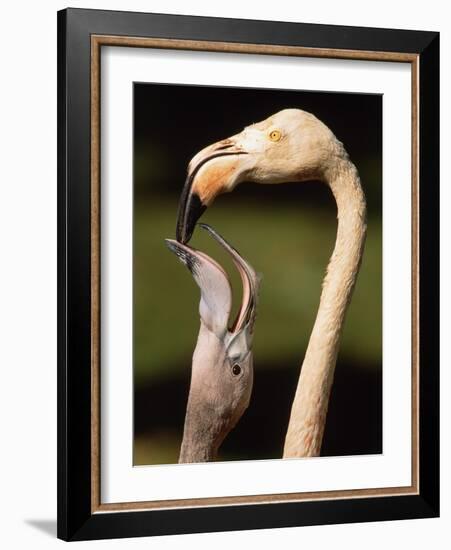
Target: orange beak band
[{"x": 192, "y": 205}]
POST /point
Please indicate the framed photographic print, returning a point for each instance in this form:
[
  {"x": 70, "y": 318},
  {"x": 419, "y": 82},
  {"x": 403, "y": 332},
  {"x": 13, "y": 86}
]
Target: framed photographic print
[{"x": 248, "y": 274}]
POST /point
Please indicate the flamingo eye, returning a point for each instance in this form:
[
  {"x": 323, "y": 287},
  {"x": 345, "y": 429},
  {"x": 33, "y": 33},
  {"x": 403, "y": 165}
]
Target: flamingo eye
[
  {"x": 236, "y": 369},
  {"x": 275, "y": 135}
]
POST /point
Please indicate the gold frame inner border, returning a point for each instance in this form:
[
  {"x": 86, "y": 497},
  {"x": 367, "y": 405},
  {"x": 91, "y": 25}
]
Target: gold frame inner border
[{"x": 97, "y": 41}]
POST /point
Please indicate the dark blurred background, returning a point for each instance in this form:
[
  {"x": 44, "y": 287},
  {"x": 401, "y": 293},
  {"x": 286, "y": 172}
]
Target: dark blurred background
[{"x": 287, "y": 232}]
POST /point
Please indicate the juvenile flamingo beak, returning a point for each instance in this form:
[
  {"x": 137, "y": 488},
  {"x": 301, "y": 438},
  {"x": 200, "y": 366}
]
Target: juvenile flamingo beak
[
  {"x": 198, "y": 192},
  {"x": 222, "y": 365},
  {"x": 214, "y": 283}
]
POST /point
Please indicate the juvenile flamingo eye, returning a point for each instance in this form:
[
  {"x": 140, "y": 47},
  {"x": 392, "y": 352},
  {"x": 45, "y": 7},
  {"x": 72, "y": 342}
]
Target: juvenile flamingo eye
[
  {"x": 275, "y": 135},
  {"x": 236, "y": 370}
]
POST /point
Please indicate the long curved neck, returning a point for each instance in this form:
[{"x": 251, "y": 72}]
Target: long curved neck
[
  {"x": 197, "y": 445},
  {"x": 203, "y": 430},
  {"x": 309, "y": 409}
]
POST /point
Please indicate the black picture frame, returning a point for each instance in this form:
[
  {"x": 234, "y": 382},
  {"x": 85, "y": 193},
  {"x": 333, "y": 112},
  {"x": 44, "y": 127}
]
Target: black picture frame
[{"x": 76, "y": 519}]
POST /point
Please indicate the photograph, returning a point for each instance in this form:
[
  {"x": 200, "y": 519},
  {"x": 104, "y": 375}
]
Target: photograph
[{"x": 257, "y": 274}]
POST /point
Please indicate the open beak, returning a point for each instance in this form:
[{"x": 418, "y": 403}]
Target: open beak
[
  {"x": 215, "y": 286},
  {"x": 200, "y": 190},
  {"x": 249, "y": 279}
]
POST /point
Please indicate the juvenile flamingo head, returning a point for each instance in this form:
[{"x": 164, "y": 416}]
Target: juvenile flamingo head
[{"x": 222, "y": 367}]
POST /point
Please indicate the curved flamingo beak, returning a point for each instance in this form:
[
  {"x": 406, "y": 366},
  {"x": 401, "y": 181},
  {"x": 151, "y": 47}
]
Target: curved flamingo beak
[
  {"x": 216, "y": 400},
  {"x": 215, "y": 287},
  {"x": 205, "y": 180}
]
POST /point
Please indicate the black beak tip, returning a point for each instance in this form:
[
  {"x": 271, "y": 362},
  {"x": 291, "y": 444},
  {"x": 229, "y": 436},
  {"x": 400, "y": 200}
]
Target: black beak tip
[
  {"x": 188, "y": 215},
  {"x": 171, "y": 244},
  {"x": 182, "y": 235},
  {"x": 184, "y": 253}
]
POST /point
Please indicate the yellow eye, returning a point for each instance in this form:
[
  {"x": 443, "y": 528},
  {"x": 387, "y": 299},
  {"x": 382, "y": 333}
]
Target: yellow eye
[{"x": 275, "y": 135}]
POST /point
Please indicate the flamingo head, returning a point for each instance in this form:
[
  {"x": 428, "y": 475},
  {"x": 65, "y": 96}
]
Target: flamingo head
[{"x": 291, "y": 145}]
